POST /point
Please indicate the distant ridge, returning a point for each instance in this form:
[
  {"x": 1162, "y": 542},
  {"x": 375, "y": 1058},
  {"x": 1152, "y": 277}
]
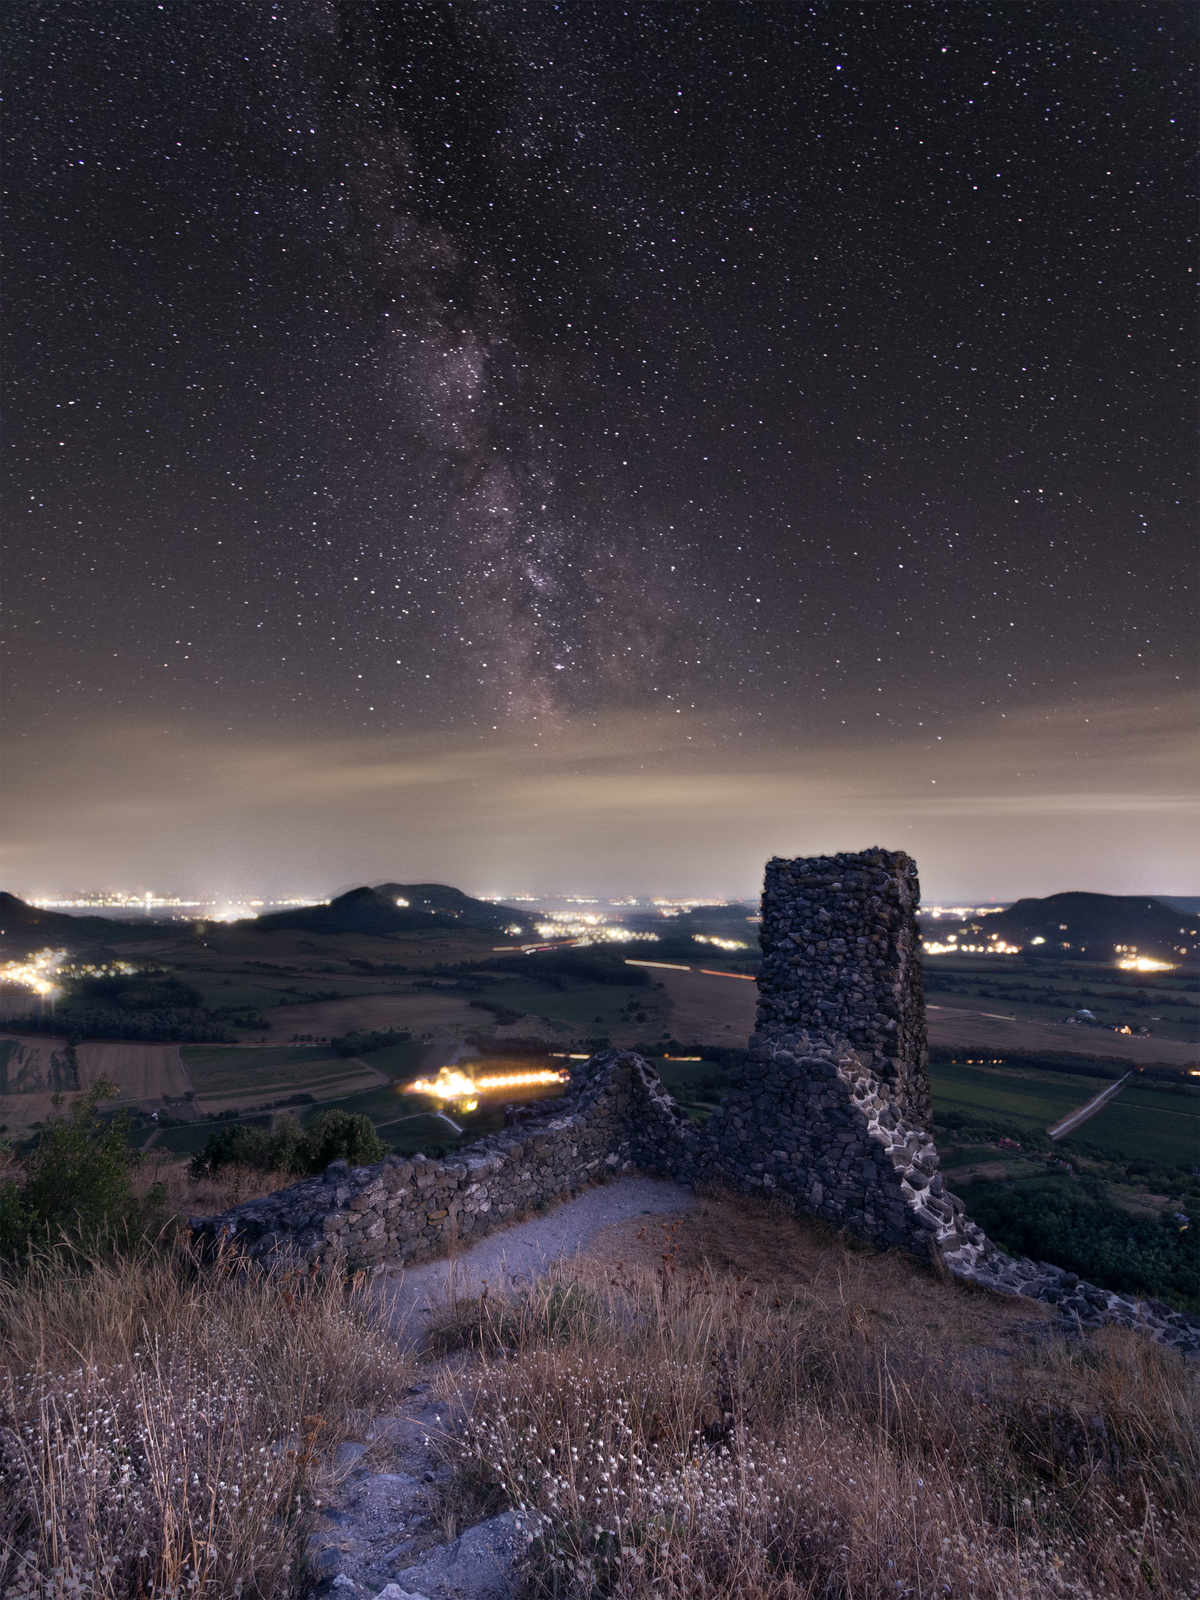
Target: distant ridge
[
  {"x": 364, "y": 910},
  {"x": 1094, "y": 925},
  {"x": 26, "y": 925}
]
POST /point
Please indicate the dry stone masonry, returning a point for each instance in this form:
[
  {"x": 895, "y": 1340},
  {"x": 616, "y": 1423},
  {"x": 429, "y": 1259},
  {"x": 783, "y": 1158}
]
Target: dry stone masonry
[
  {"x": 832, "y": 1114},
  {"x": 842, "y": 955}
]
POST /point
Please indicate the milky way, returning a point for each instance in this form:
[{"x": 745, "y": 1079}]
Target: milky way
[{"x": 800, "y": 373}]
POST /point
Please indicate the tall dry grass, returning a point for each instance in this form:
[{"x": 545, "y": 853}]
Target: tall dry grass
[
  {"x": 180, "y": 1195},
  {"x": 164, "y": 1429},
  {"x": 685, "y": 1434}
]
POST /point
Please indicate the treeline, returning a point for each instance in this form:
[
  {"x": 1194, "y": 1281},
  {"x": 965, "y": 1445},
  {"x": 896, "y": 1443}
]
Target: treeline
[
  {"x": 1073, "y": 1224},
  {"x": 178, "y": 1027},
  {"x": 334, "y": 1135},
  {"x": 362, "y": 1043},
  {"x": 1081, "y": 1066}
]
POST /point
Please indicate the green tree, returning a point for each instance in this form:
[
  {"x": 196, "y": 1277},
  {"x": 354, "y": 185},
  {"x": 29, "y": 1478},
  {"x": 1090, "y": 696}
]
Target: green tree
[
  {"x": 338, "y": 1135},
  {"x": 334, "y": 1135},
  {"x": 77, "y": 1181}
]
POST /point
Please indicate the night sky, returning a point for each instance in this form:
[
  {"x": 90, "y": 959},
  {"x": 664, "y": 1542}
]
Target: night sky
[{"x": 598, "y": 446}]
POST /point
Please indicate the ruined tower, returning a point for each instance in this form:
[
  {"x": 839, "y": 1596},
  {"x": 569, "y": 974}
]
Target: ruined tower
[{"x": 842, "y": 955}]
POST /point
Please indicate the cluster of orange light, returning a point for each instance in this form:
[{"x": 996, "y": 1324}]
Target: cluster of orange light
[{"x": 450, "y": 1084}]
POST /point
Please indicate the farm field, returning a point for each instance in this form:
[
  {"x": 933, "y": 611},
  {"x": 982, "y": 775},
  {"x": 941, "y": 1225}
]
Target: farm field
[
  {"x": 1030, "y": 1098},
  {"x": 422, "y": 1012},
  {"x": 145, "y": 1072},
  {"x": 706, "y": 1010},
  {"x": 963, "y": 1029},
  {"x": 585, "y": 1009},
  {"x": 221, "y": 1085},
  {"x": 33, "y": 1069},
  {"x": 1136, "y": 1129},
  {"x": 1141, "y": 1122},
  {"x": 1038, "y": 991}
]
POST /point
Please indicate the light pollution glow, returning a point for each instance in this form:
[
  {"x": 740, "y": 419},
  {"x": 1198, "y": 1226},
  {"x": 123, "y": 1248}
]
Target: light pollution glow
[{"x": 42, "y": 971}]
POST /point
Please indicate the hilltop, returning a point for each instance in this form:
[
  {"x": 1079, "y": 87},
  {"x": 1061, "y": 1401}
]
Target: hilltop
[
  {"x": 1098, "y": 926},
  {"x": 392, "y": 908},
  {"x": 24, "y": 925}
]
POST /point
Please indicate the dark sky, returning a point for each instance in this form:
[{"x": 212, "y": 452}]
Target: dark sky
[{"x": 599, "y": 445}]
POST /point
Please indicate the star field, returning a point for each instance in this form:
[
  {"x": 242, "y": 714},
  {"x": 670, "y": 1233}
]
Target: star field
[{"x": 469, "y": 372}]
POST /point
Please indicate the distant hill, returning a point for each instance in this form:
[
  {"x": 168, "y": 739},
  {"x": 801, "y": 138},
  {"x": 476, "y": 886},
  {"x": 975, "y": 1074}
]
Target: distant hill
[
  {"x": 430, "y": 905},
  {"x": 26, "y": 925},
  {"x": 1093, "y": 925}
]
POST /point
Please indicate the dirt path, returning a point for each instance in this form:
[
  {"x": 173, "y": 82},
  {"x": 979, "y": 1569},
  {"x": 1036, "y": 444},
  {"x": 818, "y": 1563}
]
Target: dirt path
[{"x": 525, "y": 1250}]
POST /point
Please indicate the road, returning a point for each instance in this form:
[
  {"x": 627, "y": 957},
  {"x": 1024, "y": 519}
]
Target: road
[{"x": 1097, "y": 1103}]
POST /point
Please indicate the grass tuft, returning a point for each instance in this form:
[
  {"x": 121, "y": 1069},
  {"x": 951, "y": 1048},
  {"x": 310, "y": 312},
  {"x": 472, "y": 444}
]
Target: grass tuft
[
  {"x": 165, "y": 1430},
  {"x": 676, "y": 1429}
]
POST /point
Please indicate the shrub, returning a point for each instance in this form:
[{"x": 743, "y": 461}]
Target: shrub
[
  {"x": 334, "y": 1135},
  {"x": 76, "y": 1181},
  {"x": 338, "y": 1135}
]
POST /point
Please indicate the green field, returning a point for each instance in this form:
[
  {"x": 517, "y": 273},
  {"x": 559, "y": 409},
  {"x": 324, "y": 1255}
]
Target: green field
[
  {"x": 690, "y": 1080},
  {"x": 577, "y": 1005},
  {"x": 1025, "y": 1096},
  {"x": 382, "y": 1104},
  {"x": 400, "y": 1061},
  {"x": 274, "y": 1073},
  {"x": 1142, "y": 1122},
  {"x": 186, "y": 1141},
  {"x": 1048, "y": 990},
  {"x": 284, "y": 1055},
  {"x": 1167, "y": 1132}
]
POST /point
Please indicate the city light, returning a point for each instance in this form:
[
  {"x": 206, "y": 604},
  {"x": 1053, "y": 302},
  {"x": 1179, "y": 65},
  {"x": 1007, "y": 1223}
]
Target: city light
[
  {"x": 44, "y": 971},
  {"x": 1143, "y": 964},
  {"x": 998, "y": 948},
  {"x": 39, "y": 973},
  {"x": 721, "y": 944},
  {"x": 960, "y": 913},
  {"x": 587, "y": 927}
]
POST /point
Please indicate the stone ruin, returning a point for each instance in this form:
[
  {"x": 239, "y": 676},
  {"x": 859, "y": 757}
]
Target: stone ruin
[{"x": 831, "y": 1114}]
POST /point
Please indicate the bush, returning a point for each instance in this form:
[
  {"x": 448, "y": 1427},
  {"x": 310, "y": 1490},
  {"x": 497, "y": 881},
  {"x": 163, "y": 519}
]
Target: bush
[
  {"x": 77, "y": 1182},
  {"x": 339, "y": 1136},
  {"x": 1072, "y": 1223},
  {"x": 334, "y": 1135}
]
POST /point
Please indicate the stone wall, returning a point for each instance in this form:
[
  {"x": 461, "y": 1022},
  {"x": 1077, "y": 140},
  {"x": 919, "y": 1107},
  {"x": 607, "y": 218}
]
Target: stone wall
[
  {"x": 400, "y": 1209},
  {"x": 842, "y": 955},
  {"x": 832, "y": 1114}
]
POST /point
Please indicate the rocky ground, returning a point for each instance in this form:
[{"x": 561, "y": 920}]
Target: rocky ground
[
  {"x": 387, "y": 1533},
  {"x": 384, "y": 1534}
]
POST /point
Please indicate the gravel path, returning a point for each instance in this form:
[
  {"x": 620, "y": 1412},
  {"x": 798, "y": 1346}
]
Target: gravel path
[{"x": 526, "y": 1249}]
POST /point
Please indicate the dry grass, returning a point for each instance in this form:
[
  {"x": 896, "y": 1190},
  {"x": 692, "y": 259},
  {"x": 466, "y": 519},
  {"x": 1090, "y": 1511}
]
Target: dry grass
[
  {"x": 184, "y": 1196},
  {"x": 842, "y": 1431},
  {"x": 163, "y": 1431}
]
